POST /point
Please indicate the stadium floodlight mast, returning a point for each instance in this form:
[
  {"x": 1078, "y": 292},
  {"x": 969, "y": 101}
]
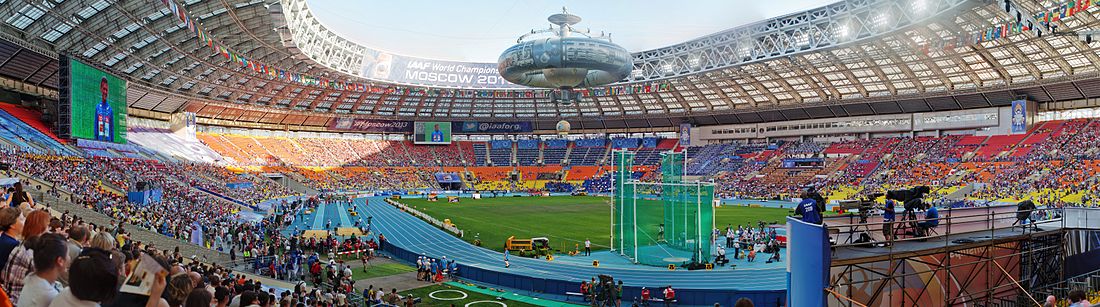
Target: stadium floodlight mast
[{"x": 563, "y": 58}]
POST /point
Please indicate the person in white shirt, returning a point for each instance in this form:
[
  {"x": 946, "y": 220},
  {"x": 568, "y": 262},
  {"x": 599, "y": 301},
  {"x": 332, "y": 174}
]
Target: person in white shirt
[
  {"x": 51, "y": 257},
  {"x": 587, "y": 247},
  {"x": 94, "y": 278},
  {"x": 378, "y": 295}
]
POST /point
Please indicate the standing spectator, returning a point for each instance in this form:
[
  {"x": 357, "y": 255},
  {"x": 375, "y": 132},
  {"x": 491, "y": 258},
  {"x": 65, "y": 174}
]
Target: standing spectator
[
  {"x": 670, "y": 295},
  {"x": 21, "y": 261},
  {"x": 50, "y": 260},
  {"x": 619, "y": 294},
  {"x": 11, "y": 223}
]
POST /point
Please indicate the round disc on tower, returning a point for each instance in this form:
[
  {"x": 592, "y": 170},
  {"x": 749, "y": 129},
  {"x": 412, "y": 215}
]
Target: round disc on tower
[{"x": 564, "y": 19}]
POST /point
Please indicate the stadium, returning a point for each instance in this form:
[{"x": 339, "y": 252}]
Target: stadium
[{"x": 550, "y": 153}]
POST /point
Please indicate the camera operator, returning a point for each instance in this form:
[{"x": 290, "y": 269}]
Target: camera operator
[
  {"x": 809, "y": 210},
  {"x": 931, "y": 219},
  {"x": 888, "y": 217}
]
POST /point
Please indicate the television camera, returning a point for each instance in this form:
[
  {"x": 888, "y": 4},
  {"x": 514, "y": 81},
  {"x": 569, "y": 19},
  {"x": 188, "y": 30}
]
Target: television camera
[
  {"x": 910, "y": 198},
  {"x": 864, "y": 206}
]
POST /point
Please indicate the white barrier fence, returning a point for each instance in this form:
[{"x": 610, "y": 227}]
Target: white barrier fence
[{"x": 425, "y": 217}]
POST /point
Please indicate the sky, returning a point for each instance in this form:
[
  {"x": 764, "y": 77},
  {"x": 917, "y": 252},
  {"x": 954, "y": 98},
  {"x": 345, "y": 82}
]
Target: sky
[{"x": 479, "y": 30}]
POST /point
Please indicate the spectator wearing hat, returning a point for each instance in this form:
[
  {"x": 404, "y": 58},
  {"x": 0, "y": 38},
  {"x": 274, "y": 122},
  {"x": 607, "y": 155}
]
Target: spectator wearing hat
[
  {"x": 20, "y": 262},
  {"x": 11, "y": 223}
]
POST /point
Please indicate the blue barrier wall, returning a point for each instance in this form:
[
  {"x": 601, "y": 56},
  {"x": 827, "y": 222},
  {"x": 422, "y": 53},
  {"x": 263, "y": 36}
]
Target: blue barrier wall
[
  {"x": 807, "y": 273},
  {"x": 558, "y": 288}
]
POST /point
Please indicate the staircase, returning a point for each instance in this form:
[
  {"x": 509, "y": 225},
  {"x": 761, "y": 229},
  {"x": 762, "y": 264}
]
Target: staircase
[
  {"x": 542, "y": 151},
  {"x": 568, "y": 152},
  {"x": 515, "y": 149}
]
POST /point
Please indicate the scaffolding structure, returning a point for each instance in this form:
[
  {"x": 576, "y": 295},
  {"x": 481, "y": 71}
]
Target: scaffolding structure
[{"x": 978, "y": 257}]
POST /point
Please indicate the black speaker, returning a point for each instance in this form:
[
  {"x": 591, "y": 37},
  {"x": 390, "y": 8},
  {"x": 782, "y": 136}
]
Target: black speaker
[{"x": 5, "y": 166}]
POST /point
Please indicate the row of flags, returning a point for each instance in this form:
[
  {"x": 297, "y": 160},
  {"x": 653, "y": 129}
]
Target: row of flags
[
  {"x": 304, "y": 79},
  {"x": 1046, "y": 20}
]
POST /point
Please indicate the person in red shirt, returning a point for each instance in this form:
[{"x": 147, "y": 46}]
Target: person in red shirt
[
  {"x": 670, "y": 295},
  {"x": 584, "y": 291},
  {"x": 645, "y": 296}
]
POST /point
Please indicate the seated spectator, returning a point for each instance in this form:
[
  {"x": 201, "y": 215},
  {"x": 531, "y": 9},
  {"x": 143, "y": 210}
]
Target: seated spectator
[
  {"x": 51, "y": 258},
  {"x": 1077, "y": 298},
  {"x": 21, "y": 261},
  {"x": 93, "y": 278},
  {"x": 11, "y": 223},
  {"x": 931, "y": 219}
]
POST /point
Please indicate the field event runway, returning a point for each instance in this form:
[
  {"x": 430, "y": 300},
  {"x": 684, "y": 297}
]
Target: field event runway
[{"x": 412, "y": 234}]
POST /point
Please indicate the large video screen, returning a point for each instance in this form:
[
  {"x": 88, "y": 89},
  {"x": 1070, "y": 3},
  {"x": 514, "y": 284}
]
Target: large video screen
[
  {"x": 432, "y": 133},
  {"x": 98, "y": 104}
]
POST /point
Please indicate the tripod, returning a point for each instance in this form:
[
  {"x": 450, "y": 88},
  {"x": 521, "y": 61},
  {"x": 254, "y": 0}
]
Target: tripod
[
  {"x": 861, "y": 228},
  {"x": 910, "y": 228}
]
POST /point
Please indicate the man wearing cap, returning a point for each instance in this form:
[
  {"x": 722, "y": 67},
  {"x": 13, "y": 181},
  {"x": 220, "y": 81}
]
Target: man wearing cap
[{"x": 11, "y": 223}]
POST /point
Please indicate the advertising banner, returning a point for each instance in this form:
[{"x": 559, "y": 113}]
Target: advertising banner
[
  {"x": 447, "y": 178},
  {"x": 383, "y": 66},
  {"x": 1019, "y": 116},
  {"x": 496, "y": 127},
  {"x": 685, "y": 134},
  {"x": 371, "y": 125}
]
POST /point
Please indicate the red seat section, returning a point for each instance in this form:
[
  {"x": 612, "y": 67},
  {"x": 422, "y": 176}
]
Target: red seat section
[{"x": 32, "y": 118}]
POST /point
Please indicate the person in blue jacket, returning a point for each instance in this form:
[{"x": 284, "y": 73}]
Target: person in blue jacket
[{"x": 808, "y": 209}]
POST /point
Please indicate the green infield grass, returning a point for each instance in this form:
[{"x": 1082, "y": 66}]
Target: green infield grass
[{"x": 566, "y": 220}]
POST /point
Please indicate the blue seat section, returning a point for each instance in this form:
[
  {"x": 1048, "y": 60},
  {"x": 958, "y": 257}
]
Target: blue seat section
[
  {"x": 587, "y": 151},
  {"x": 115, "y": 150},
  {"x": 29, "y": 138},
  {"x": 480, "y": 150},
  {"x": 500, "y": 152},
  {"x": 628, "y": 143},
  {"x": 527, "y": 152},
  {"x": 647, "y": 156},
  {"x": 554, "y": 151}
]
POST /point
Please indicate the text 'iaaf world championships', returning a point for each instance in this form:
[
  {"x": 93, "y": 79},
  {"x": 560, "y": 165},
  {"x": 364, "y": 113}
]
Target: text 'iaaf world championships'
[{"x": 453, "y": 74}]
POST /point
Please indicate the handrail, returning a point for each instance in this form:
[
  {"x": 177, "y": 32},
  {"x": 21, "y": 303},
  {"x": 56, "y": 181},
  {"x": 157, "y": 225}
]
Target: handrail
[
  {"x": 840, "y": 296},
  {"x": 1017, "y": 283},
  {"x": 992, "y": 221}
]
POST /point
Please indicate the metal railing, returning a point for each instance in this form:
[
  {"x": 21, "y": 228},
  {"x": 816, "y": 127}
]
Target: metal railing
[
  {"x": 997, "y": 226},
  {"x": 846, "y": 230}
]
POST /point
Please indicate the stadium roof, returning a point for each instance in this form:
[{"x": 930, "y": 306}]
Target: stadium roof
[
  {"x": 856, "y": 57},
  {"x": 478, "y": 31}
]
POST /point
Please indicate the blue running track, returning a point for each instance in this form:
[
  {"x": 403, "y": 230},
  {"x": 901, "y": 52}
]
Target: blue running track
[{"x": 408, "y": 236}]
